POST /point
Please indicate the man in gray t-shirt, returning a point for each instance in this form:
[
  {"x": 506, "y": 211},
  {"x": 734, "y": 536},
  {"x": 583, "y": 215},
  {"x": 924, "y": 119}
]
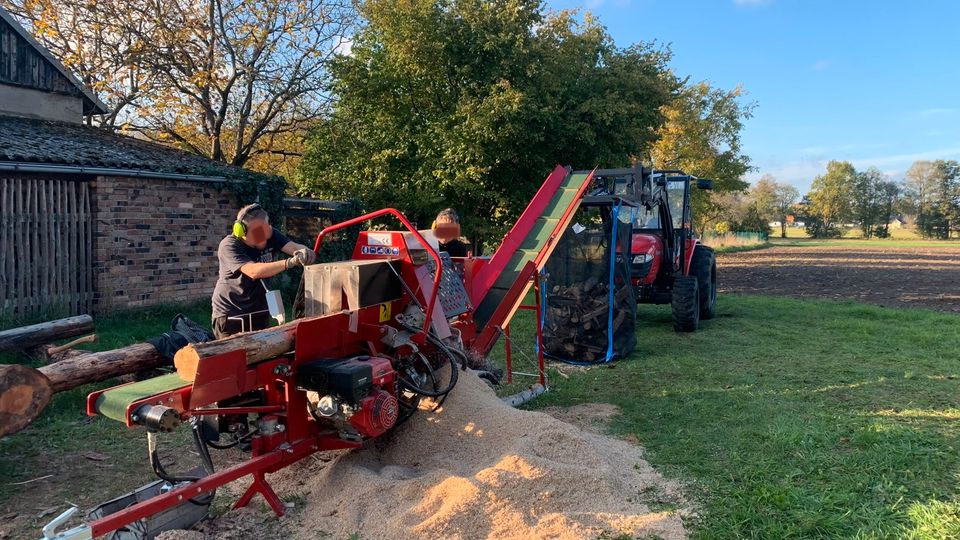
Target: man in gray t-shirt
[{"x": 247, "y": 259}]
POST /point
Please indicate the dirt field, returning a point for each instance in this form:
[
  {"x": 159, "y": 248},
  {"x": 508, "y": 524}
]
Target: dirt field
[{"x": 923, "y": 277}]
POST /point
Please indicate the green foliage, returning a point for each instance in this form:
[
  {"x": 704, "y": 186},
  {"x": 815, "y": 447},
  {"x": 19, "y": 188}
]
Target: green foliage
[
  {"x": 942, "y": 211},
  {"x": 339, "y": 245},
  {"x": 470, "y": 103},
  {"x": 830, "y": 199},
  {"x": 753, "y": 220},
  {"x": 873, "y": 200},
  {"x": 701, "y": 136},
  {"x": 250, "y": 187}
]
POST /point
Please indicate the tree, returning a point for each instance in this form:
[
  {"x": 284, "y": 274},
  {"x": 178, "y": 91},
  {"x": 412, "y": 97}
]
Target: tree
[
  {"x": 702, "y": 137},
  {"x": 890, "y": 192},
  {"x": 763, "y": 195},
  {"x": 942, "y": 209},
  {"x": 227, "y": 79},
  {"x": 920, "y": 186},
  {"x": 784, "y": 198},
  {"x": 773, "y": 201},
  {"x": 869, "y": 201},
  {"x": 470, "y": 103},
  {"x": 831, "y": 198}
]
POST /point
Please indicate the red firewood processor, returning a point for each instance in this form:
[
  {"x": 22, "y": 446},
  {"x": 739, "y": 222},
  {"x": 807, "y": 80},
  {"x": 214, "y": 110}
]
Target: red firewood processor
[{"x": 380, "y": 332}]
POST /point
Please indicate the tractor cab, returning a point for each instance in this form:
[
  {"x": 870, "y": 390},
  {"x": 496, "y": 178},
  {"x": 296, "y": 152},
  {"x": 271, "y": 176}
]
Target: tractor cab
[
  {"x": 669, "y": 265},
  {"x": 663, "y": 231}
]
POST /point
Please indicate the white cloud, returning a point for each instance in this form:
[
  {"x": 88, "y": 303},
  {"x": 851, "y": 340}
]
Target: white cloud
[
  {"x": 937, "y": 111},
  {"x": 943, "y": 153},
  {"x": 800, "y": 173},
  {"x": 345, "y": 47},
  {"x": 821, "y": 65}
]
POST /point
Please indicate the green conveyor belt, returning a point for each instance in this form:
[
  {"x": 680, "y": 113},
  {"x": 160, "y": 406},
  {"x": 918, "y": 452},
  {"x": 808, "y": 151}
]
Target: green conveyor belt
[
  {"x": 533, "y": 243},
  {"x": 114, "y": 402}
]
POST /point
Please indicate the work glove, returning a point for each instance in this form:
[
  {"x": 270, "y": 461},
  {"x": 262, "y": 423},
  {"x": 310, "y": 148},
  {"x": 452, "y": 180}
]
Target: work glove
[{"x": 306, "y": 256}]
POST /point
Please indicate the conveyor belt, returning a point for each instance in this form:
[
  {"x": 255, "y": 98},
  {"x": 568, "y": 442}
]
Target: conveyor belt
[
  {"x": 539, "y": 223},
  {"x": 114, "y": 402}
]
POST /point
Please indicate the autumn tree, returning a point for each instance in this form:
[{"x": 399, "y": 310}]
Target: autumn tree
[
  {"x": 701, "y": 136},
  {"x": 763, "y": 195},
  {"x": 831, "y": 199},
  {"x": 942, "y": 212},
  {"x": 227, "y": 79},
  {"x": 470, "y": 103},
  {"x": 870, "y": 204},
  {"x": 774, "y": 200},
  {"x": 919, "y": 186}
]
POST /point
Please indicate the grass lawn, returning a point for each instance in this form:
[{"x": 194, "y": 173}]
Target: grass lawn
[
  {"x": 113, "y": 458},
  {"x": 786, "y": 418},
  {"x": 794, "y": 418}
]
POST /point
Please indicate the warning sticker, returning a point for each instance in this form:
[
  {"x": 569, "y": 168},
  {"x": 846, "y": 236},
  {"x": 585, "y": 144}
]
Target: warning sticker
[
  {"x": 379, "y": 239},
  {"x": 385, "y": 312}
]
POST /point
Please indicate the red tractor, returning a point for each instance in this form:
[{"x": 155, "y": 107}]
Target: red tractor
[{"x": 669, "y": 263}]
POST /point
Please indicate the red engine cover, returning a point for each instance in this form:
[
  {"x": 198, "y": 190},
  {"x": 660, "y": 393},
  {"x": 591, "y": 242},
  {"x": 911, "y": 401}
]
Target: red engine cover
[{"x": 378, "y": 413}]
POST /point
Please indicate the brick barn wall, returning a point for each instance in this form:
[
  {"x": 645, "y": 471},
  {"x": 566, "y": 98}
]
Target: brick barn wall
[{"x": 155, "y": 241}]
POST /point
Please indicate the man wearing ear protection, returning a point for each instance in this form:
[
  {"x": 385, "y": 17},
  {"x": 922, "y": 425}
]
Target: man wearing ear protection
[{"x": 247, "y": 258}]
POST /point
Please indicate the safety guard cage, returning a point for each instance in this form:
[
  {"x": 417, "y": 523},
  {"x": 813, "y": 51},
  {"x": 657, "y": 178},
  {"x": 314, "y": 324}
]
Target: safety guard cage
[{"x": 589, "y": 309}]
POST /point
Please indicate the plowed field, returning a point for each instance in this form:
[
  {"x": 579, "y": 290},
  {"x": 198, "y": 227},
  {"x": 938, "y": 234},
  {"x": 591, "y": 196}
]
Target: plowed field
[{"x": 923, "y": 277}]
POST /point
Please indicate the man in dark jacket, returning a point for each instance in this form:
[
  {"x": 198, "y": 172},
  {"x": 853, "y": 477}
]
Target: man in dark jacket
[
  {"x": 247, "y": 259},
  {"x": 447, "y": 230}
]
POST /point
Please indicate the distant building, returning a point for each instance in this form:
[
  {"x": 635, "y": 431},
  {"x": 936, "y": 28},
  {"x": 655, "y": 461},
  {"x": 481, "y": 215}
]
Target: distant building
[{"x": 92, "y": 221}]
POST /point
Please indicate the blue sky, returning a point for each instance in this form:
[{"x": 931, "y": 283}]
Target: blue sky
[{"x": 876, "y": 83}]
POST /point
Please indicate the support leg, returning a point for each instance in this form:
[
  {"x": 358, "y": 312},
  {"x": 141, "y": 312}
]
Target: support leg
[
  {"x": 539, "y": 318},
  {"x": 508, "y": 353},
  {"x": 261, "y": 486}
]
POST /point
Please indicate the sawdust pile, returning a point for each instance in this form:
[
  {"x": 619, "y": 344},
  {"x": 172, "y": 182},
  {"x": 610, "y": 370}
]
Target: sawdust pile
[{"x": 478, "y": 468}]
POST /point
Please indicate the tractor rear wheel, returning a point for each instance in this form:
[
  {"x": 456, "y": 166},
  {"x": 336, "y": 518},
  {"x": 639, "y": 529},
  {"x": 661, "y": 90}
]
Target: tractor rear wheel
[
  {"x": 685, "y": 304},
  {"x": 704, "y": 266}
]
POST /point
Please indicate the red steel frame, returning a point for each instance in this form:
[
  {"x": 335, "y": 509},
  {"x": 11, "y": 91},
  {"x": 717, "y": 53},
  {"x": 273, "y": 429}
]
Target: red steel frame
[
  {"x": 508, "y": 350},
  {"x": 228, "y": 374},
  {"x": 416, "y": 234}
]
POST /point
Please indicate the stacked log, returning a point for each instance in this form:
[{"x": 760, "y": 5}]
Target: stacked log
[
  {"x": 577, "y": 322},
  {"x": 25, "y": 337}
]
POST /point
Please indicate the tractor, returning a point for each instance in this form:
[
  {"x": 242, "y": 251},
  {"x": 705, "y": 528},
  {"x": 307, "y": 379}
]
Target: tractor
[{"x": 669, "y": 263}]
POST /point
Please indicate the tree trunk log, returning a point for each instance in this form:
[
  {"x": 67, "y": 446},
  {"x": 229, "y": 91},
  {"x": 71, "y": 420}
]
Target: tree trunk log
[
  {"x": 260, "y": 345},
  {"x": 100, "y": 366},
  {"x": 38, "y": 334},
  {"x": 24, "y": 391}
]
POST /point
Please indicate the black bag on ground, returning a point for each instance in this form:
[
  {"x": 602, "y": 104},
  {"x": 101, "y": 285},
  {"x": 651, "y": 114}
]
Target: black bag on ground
[{"x": 183, "y": 332}]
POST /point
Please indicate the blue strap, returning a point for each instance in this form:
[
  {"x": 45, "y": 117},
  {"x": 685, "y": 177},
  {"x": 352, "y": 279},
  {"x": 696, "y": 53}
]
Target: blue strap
[{"x": 613, "y": 264}]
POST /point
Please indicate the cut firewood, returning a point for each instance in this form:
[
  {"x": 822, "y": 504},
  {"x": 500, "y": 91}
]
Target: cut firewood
[{"x": 260, "y": 345}]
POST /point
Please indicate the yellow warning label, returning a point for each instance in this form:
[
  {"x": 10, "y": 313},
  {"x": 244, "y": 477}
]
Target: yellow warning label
[{"x": 385, "y": 312}]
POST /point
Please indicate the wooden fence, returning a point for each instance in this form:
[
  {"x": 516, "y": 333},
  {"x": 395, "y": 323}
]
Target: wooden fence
[{"x": 46, "y": 247}]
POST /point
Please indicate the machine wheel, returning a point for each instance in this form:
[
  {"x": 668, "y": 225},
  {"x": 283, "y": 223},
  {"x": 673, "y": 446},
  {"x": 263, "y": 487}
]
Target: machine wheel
[
  {"x": 704, "y": 266},
  {"x": 685, "y": 304}
]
